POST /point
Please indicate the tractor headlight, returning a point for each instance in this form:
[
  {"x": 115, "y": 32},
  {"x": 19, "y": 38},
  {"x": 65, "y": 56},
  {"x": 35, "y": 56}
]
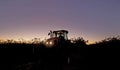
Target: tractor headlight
[{"x": 49, "y": 44}]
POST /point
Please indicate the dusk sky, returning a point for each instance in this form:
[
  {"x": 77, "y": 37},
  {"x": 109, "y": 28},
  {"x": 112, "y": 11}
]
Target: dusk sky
[{"x": 93, "y": 20}]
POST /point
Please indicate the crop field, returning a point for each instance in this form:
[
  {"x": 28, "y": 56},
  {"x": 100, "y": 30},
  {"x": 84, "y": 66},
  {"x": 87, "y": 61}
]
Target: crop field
[{"x": 77, "y": 56}]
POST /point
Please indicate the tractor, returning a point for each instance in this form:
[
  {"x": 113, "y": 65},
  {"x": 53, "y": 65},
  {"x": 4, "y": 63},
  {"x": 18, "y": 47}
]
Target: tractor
[{"x": 57, "y": 38}]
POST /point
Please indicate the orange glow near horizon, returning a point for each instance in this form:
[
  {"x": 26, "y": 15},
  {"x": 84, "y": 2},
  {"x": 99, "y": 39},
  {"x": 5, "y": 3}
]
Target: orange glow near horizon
[{"x": 43, "y": 37}]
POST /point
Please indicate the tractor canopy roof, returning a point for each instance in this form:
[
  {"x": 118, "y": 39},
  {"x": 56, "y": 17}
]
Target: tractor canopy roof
[{"x": 60, "y": 31}]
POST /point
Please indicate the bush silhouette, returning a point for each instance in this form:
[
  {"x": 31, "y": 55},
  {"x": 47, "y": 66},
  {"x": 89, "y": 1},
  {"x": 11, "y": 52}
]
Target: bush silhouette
[
  {"x": 38, "y": 57},
  {"x": 80, "y": 42},
  {"x": 104, "y": 54}
]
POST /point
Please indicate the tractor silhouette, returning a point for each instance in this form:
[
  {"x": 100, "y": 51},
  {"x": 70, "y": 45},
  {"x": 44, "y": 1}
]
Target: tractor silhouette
[{"x": 57, "y": 38}]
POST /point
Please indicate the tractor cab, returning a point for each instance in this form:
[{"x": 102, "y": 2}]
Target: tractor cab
[
  {"x": 59, "y": 33},
  {"x": 56, "y": 37}
]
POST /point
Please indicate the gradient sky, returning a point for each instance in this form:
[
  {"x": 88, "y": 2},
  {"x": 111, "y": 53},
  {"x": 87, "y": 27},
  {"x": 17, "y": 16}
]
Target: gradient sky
[{"x": 93, "y": 20}]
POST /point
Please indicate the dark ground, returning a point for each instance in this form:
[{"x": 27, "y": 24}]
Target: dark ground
[{"x": 36, "y": 57}]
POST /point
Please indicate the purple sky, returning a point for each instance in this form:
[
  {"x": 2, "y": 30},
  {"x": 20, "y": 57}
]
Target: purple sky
[{"x": 91, "y": 19}]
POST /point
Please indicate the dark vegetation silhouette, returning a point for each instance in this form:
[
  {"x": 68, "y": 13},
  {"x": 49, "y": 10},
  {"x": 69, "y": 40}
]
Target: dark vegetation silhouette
[
  {"x": 68, "y": 56},
  {"x": 105, "y": 54}
]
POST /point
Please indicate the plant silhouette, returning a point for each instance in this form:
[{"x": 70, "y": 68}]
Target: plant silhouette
[{"x": 68, "y": 56}]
